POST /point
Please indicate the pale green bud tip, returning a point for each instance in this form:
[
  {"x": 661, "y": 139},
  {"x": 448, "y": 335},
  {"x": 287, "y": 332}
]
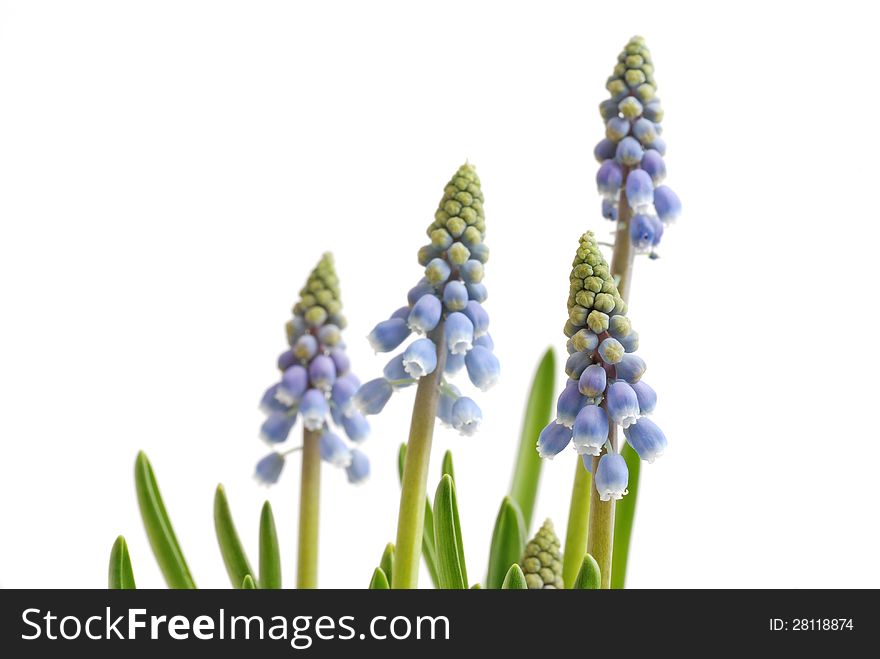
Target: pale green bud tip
[
  {"x": 593, "y": 299},
  {"x": 320, "y": 301},
  {"x": 634, "y": 71},
  {"x": 542, "y": 560},
  {"x": 460, "y": 209}
]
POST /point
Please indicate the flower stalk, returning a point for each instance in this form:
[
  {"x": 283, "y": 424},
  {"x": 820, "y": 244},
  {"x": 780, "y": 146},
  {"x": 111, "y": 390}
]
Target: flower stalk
[
  {"x": 600, "y": 540},
  {"x": 445, "y": 312},
  {"x": 411, "y": 515},
  {"x": 309, "y": 511}
]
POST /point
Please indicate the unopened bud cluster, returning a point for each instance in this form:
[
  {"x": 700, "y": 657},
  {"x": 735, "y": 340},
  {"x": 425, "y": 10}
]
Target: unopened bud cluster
[{"x": 542, "y": 560}]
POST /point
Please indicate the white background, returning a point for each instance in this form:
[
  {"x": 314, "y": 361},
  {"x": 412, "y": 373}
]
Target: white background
[{"x": 170, "y": 172}]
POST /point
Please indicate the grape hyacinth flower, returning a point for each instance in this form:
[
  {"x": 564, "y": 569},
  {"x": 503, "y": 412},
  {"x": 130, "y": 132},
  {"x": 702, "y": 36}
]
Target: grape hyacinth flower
[
  {"x": 632, "y": 170},
  {"x": 316, "y": 385},
  {"x": 316, "y": 382},
  {"x": 606, "y": 393},
  {"x": 449, "y": 325},
  {"x": 449, "y": 295}
]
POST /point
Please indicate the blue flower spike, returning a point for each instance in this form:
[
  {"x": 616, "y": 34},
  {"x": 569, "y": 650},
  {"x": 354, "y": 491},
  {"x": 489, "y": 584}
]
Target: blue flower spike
[
  {"x": 444, "y": 312},
  {"x": 604, "y": 387},
  {"x": 631, "y": 165},
  {"x": 316, "y": 382}
]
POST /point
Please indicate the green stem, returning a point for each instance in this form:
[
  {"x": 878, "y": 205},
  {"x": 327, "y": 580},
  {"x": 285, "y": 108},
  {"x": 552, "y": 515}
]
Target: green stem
[
  {"x": 309, "y": 511},
  {"x": 600, "y": 540},
  {"x": 622, "y": 269},
  {"x": 576, "y": 532},
  {"x": 411, "y": 517},
  {"x": 623, "y": 255}
]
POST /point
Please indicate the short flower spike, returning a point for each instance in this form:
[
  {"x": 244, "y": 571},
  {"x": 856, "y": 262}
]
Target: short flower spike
[
  {"x": 542, "y": 560},
  {"x": 316, "y": 382},
  {"x": 451, "y": 293},
  {"x": 604, "y": 384},
  {"x": 631, "y": 155}
]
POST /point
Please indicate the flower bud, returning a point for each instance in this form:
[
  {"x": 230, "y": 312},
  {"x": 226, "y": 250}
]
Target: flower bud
[
  {"x": 553, "y": 439},
  {"x": 359, "y": 469},
  {"x": 425, "y": 314},
  {"x": 612, "y": 477},
  {"x": 333, "y": 450},
  {"x": 466, "y": 416},
  {"x": 483, "y": 367},
  {"x": 590, "y": 430},
  {"x": 646, "y": 438},
  {"x": 388, "y": 334},
  {"x": 420, "y": 358},
  {"x": 269, "y": 468}
]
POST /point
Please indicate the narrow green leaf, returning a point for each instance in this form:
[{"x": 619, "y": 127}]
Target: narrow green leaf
[
  {"x": 379, "y": 580},
  {"x": 508, "y": 542},
  {"x": 576, "y": 530},
  {"x": 429, "y": 551},
  {"x": 447, "y": 465},
  {"x": 121, "y": 576},
  {"x": 237, "y": 565},
  {"x": 624, "y": 517},
  {"x": 163, "y": 542},
  {"x": 451, "y": 567},
  {"x": 248, "y": 583},
  {"x": 539, "y": 408},
  {"x": 589, "y": 576},
  {"x": 270, "y": 555},
  {"x": 515, "y": 579},
  {"x": 387, "y": 561}
]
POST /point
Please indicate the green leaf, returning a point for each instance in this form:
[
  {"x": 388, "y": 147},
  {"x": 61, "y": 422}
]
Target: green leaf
[
  {"x": 589, "y": 576},
  {"x": 578, "y": 524},
  {"x": 164, "y": 543},
  {"x": 248, "y": 583},
  {"x": 379, "y": 580},
  {"x": 429, "y": 551},
  {"x": 508, "y": 542},
  {"x": 121, "y": 576},
  {"x": 387, "y": 561},
  {"x": 270, "y": 555},
  {"x": 451, "y": 567},
  {"x": 447, "y": 465},
  {"x": 515, "y": 579},
  {"x": 539, "y": 408},
  {"x": 237, "y": 565},
  {"x": 476, "y": 586},
  {"x": 624, "y": 517}
]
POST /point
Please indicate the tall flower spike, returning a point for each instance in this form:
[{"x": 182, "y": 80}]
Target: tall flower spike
[
  {"x": 445, "y": 313},
  {"x": 542, "y": 560},
  {"x": 631, "y": 155},
  {"x": 600, "y": 392},
  {"x": 316, "y": 381},
  {"x": 451, "y": 294},
  {"x": 603, "y": 391}
]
